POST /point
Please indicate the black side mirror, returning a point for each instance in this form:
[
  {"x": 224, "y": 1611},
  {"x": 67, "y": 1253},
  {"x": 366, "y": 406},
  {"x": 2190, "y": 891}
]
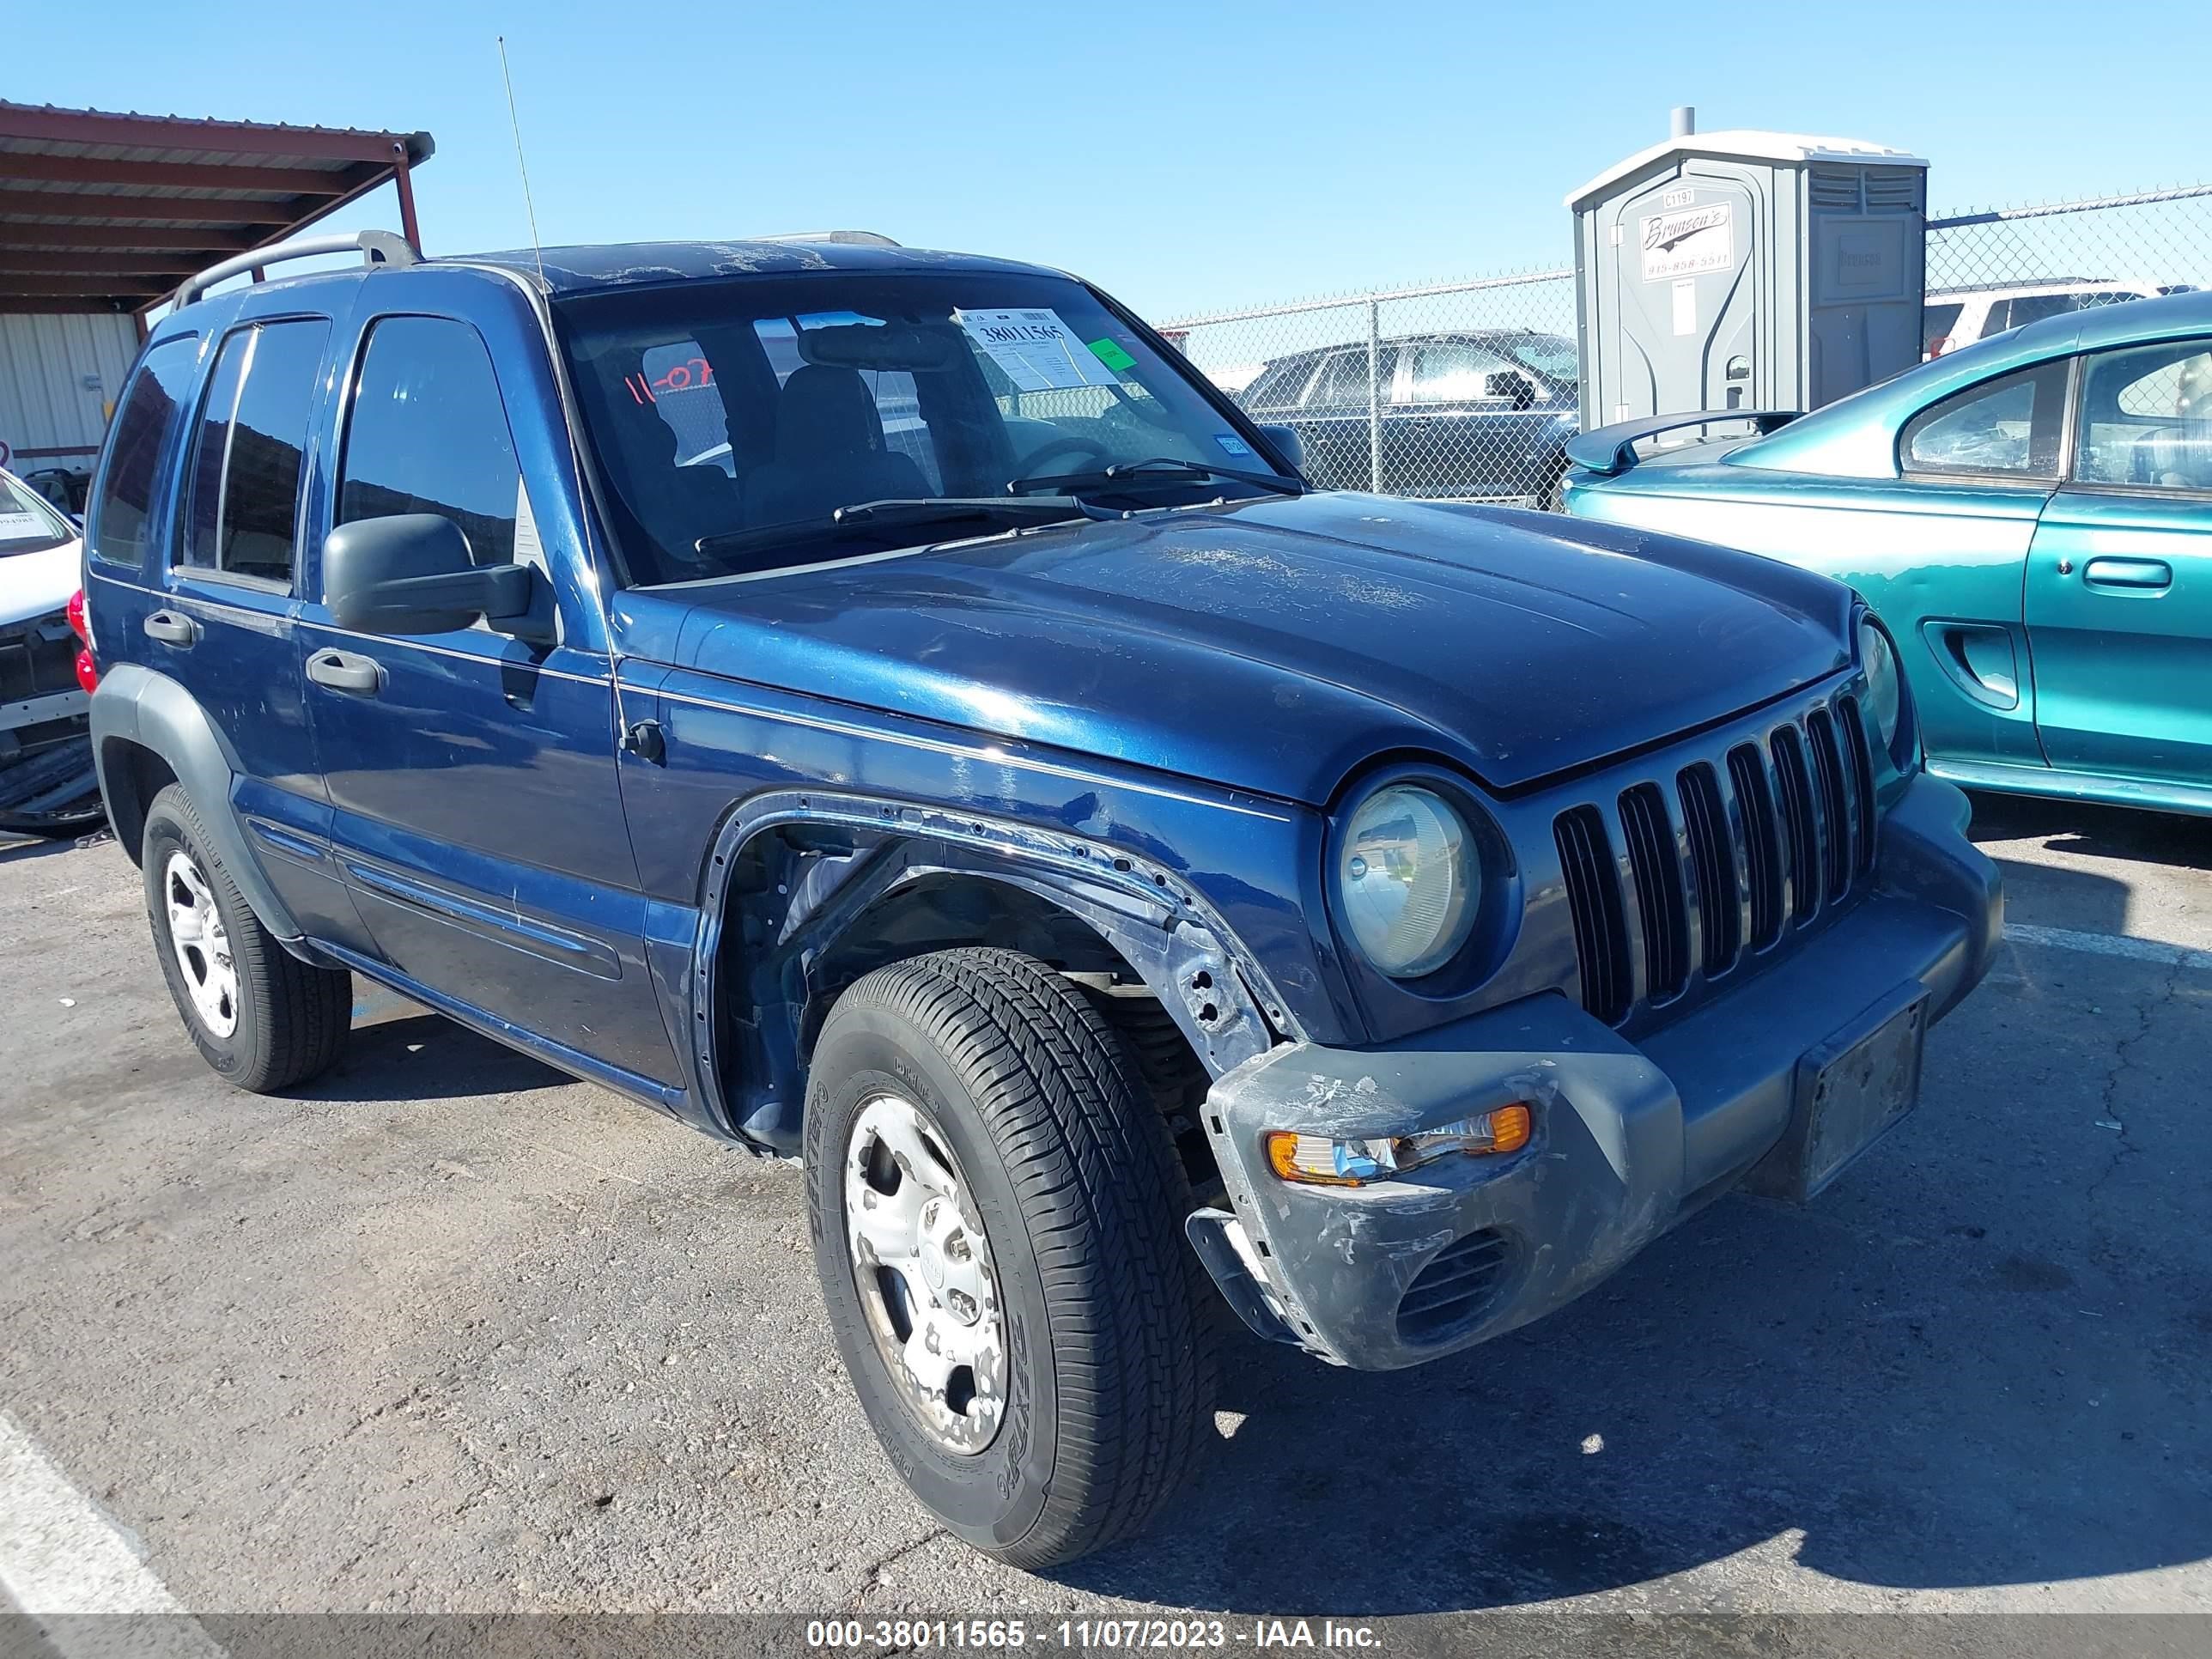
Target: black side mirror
[
  {"x": 1286, "y": 443},
  {"x": 1517, "y": 389},
  {"x": 411, "y": 572}
]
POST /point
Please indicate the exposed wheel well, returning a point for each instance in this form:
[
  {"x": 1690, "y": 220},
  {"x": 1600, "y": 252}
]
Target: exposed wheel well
[
  {"x": 132, "y": 774},
  {"x": 809, "y": 916}
]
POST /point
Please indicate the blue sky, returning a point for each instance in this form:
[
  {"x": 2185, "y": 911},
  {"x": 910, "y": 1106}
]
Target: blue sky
[{"x": 1185, "y": 156}]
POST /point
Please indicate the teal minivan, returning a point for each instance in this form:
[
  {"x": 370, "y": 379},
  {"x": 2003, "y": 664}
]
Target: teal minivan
[{"x": 2030, "y": 516}]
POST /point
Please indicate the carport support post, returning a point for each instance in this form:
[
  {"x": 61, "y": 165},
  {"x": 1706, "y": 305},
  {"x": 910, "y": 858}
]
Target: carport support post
[
  {"x": 1374, "y": 396},
  {"x": 405, "y": 187}
]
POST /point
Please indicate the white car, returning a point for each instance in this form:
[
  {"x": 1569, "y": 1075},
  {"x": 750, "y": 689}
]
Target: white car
[
  {"x": 1955, "y": 317},
  {"x": 47, "y": 782}
]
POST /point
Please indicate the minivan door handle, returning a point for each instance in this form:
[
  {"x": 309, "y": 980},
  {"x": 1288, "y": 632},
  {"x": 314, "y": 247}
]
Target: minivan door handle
[
  {"x": 171, "y": 628},
  {"x": 341, "y": 671},
  {"x": 2138, "y": 573}
]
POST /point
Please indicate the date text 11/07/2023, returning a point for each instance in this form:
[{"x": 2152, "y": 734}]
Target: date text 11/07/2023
[{"x": 1088, "y": 1635}]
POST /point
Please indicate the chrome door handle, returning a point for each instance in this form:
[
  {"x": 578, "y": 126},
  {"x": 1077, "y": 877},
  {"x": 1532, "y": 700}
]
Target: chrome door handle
[
  {"x": 341, "y": 671},
  {"x": 2137, "y": 573},
  {"x": 172, "y": 628}
]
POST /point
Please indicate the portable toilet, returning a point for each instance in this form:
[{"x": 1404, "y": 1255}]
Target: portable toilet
[{"x": 1747, "y": 269}]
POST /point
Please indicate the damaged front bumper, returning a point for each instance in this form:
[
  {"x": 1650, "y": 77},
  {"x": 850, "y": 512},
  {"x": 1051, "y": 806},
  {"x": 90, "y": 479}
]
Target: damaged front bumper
[{"x": 1630, "y": 1137}]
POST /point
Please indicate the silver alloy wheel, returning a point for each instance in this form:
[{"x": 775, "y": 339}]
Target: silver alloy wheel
[
  {"x": 923, "y": 1268},
  {"x": 203, "y": 945}
]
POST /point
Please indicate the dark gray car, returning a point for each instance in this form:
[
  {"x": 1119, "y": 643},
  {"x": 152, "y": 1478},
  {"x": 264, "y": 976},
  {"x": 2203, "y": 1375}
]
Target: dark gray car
[{"x": 1458, "y": 416}]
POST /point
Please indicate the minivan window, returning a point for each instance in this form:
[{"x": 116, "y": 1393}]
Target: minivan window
[
  {"x": 842, "y": 389},
  {"x": 152, "y": 407},
  {"x": 428, "y": 432},
  {"x": 241, "y": 516}
]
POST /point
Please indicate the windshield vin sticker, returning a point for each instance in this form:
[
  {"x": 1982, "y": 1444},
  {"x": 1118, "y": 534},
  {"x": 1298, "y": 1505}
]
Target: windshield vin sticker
[
  {"x": 1036, "y": 350},
  {"x": 1686, "y": 242}
]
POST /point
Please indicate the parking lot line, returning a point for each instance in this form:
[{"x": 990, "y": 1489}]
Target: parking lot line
[
  {"x": 2108, "y": 945},
  {"x": 61, "y": 1559}
]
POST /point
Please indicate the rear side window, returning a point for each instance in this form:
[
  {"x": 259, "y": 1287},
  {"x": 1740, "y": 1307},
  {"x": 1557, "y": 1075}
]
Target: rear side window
[
  {"x": 242, "y": 515},
  {"x": 152, "y": 410},
  {"x": 428, "y": 433},
  {"x": 1343, "y": 378},
  {"x": 2007, "y": 427}
]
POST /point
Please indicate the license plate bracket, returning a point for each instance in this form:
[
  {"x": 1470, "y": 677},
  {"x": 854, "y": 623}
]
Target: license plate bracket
[{"x": 1848, "y": 1092}]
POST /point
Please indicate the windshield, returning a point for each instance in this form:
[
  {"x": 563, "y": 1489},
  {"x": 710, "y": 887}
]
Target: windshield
[
  {"x": 724, "y": 412},
  {"x": 1548, "y": 355},
  {"x": 27, "y": 524}
]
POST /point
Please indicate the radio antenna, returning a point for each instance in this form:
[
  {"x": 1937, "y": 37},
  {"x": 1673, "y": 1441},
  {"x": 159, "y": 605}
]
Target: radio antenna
[{"x": 521, "y": 167}]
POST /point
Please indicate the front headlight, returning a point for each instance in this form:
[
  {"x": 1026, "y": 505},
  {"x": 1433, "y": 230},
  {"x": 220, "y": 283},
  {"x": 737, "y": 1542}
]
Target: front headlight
[
  {"x": 1885, "y": 681},
  {"x": 1408, "y": 878}
]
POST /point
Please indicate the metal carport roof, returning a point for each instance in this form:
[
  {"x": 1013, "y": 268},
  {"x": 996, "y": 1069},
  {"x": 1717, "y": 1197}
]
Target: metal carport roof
[{"x": 101, "y": 212}]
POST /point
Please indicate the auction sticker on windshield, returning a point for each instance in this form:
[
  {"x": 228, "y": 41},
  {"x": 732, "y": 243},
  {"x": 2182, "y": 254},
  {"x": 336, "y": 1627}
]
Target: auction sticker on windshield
[{"x": 1034, "y": 350}]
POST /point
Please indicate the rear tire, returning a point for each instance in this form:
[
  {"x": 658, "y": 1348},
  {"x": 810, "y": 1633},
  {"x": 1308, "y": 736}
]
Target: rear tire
[
  {"x": 262, "y": 1019},
  {"x": 1024, "y": 1097}
]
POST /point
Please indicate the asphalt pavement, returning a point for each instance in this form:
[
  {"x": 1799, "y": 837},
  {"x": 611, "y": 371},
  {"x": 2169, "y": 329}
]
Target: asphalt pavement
[{"x": 450, "y": 1332}]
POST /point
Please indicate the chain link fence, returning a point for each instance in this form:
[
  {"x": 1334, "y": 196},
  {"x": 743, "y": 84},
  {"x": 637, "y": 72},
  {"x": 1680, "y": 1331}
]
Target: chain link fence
[
  {"x": 1459, "y": 390},
  {"x": 1998, "y": 268},
  {"x": 1468, "y": 390}
]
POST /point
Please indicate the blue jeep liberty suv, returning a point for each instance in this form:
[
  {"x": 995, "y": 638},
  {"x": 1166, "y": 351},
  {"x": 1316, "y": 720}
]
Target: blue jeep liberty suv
[{"x": 884, "y": 708}]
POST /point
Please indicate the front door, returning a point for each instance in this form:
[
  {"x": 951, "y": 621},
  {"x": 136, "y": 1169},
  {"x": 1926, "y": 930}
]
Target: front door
[
  {"x": 476, "y": 816},
  {"x": 2119, "y": 581}
]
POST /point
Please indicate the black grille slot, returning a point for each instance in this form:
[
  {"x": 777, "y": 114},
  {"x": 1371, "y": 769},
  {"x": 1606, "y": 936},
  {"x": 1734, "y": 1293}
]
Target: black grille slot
[
  {"x": 1801, "y": 830},
  {"x": 1830, "y": 187},
  {"x": 1712, "y": 864},
  {"x": 1861, "y": 756},
  {"x": 1762, "y": 845},
  {"x": 1594, "y": 897},
  {"x": 1659, "y": 902},
  {"x": 1835, "y": 809},
  {"x": 1893, "y": 187},
  {"x": 1459, "y": 1284}
]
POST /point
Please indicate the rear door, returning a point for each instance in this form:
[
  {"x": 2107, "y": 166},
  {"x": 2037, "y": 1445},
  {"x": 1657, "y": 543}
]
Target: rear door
[
  {"x": 223, "y": 621},
  {"x": 2119, "y": 582},
  {"x": 477, "y": 819},
  {"x": 1335, "y": 419}
]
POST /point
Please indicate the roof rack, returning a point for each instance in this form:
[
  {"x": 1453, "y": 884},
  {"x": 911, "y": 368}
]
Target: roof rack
[
  {"x": 854, "y": 238},
  {"x": 375, "y": 246}
]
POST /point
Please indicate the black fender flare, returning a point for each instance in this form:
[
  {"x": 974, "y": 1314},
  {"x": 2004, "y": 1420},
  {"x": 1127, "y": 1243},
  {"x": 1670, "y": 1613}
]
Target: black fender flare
[{"x": 134, "y": 705}]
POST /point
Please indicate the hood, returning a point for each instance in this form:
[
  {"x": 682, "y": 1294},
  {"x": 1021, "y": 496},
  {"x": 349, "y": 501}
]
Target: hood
[{"x": 1276, "y": 646}]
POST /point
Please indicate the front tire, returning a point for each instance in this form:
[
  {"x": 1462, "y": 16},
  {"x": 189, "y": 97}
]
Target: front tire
[
  {"x": 263, "y": 1020},
  {"x": 1030, "y": 1350}
]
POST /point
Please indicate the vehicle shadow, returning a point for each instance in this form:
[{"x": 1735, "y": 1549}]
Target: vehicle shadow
[
  {"x": 15, "y": 849},
  {"x": 1962, "y": 1365},
  {"x": 407, "y": 1057},
  {"x": 2111, "y": 832}
]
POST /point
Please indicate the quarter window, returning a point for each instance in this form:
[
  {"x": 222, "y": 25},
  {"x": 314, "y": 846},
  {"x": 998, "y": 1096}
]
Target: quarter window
[
  {"x": 428, "y": 433},
  {"x": 242, "y": 515},
  {"x": 152, "y": 410},
  {"x": 2007, "y": 427},
  {"x": 2147, "y": 416}
]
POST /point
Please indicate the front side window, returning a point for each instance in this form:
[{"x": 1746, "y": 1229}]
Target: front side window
[
  {"x": 428, "y": 432},
  {"x": 1937, "y": 324},
  {"x": 2147, "y": 417},
  {"x": 1454, "y": 371},
  {"x": 153, "y": 408},
  {"x": 921, "y": 396},
  {"x": 2006, "y": 428},
  {"x": 242, "y": 508}
]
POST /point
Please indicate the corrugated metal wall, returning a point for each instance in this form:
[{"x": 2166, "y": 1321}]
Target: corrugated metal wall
[{"x": 45, "y": 402}]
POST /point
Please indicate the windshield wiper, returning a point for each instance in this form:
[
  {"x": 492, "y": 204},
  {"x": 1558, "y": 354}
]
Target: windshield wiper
[
  {"x": 861, "y": 517},
  {"x": 1160, "y": 469}
]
